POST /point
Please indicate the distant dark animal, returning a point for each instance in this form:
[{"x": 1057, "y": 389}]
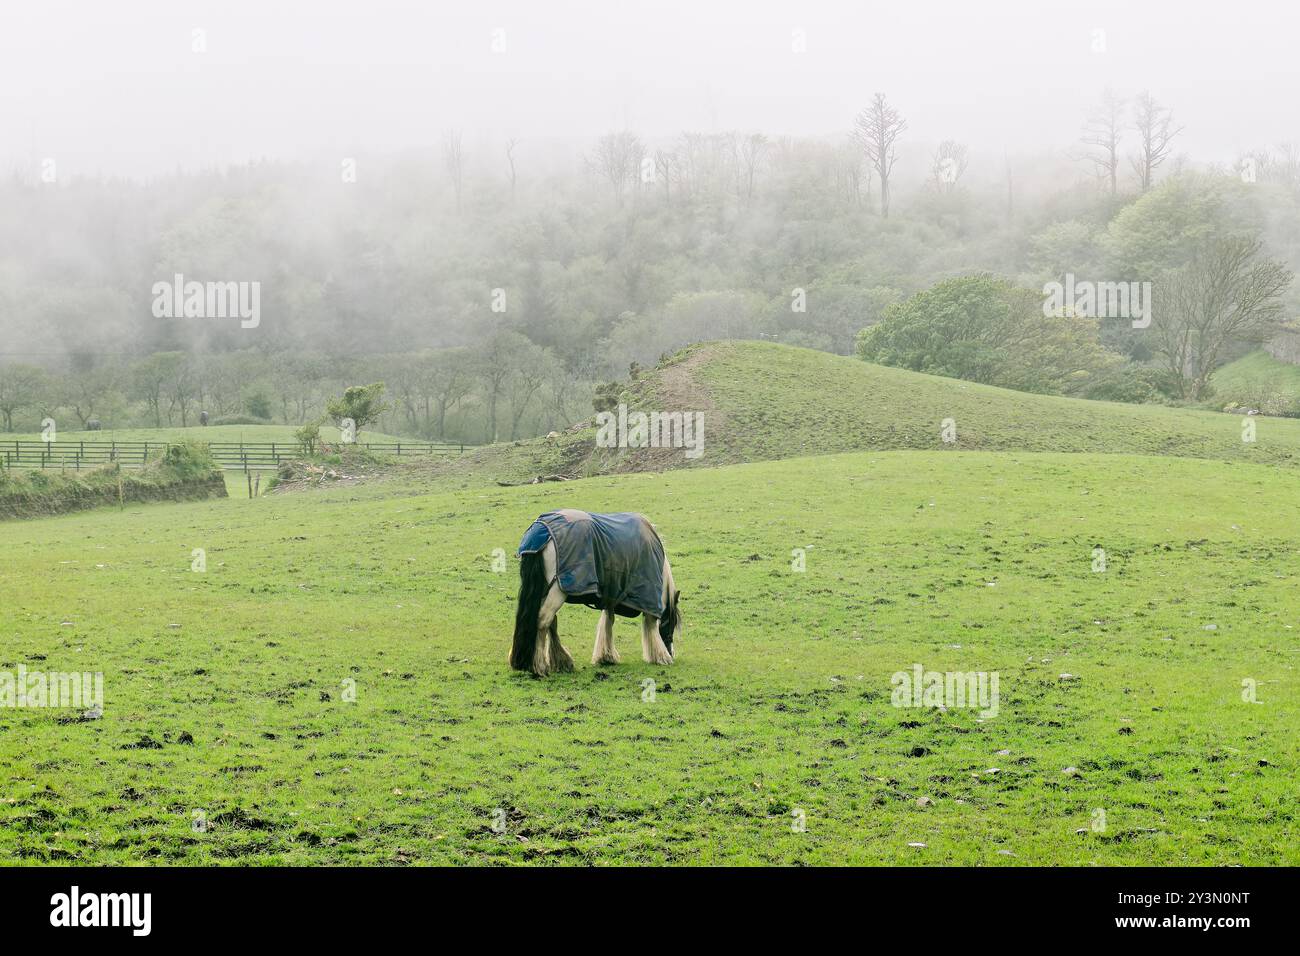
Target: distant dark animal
[
  {"x": 93, "y": 425},
  {"x": 203, "y": 418},
  {"x": 614, "y": 563}
]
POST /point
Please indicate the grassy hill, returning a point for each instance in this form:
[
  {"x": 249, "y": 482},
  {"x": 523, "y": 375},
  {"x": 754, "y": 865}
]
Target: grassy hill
[
  {"x": 764, "y": 401},
  {"x": 779, "y": 702},
  {"x": 1258, "y": 380}
]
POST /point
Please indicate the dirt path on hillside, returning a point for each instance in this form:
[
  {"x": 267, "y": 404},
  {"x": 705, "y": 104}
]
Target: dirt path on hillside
[{"x": 678, "y": 390}]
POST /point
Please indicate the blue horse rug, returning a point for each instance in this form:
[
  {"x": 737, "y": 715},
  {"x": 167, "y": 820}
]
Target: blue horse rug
[{"x": 605, "y": 561}]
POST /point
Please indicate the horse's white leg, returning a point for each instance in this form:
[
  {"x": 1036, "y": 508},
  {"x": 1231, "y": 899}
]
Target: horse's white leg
[
  {"x": 544, "y": 660},
  {"x": 647, "y": 648},
  {"x": 652, "y": 645},
  {"x": 604, "y": 652}
]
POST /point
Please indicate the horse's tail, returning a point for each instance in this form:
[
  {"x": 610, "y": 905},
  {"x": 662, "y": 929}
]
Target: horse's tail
[{"x": 532, "y": 591}]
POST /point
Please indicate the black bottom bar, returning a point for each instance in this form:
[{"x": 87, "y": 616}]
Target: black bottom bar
[{"x": 943, "y": 907}]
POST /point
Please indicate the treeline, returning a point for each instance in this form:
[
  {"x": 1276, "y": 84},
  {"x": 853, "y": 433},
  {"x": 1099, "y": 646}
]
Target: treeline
[
  {"x": 493, "y": 286},
  {"x": 504, "y": 388}
]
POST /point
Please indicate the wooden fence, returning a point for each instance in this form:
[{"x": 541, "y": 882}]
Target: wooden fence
[{"x": 244, "y": 456}]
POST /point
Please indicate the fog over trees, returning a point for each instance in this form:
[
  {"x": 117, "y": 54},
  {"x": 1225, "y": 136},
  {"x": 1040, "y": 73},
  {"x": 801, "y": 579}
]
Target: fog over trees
[{"x": 492, "y": 272}]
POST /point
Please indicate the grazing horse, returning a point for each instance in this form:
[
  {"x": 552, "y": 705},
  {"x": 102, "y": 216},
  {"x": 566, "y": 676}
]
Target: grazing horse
[{"x": 614, "y": 563}]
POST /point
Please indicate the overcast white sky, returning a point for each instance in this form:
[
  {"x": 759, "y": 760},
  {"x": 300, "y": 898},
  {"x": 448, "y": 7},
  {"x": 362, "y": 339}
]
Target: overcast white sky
[{"x": 115, "y": 87}]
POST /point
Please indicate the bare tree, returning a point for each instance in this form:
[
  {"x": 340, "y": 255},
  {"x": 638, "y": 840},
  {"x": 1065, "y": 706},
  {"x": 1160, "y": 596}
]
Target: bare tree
[
  {"x": 560, "y": 388},
  {"x": 84, "y": 389},
  {"x": 1225, "y": 294},
  {"x": 701, "y": 172},
  {"x": 877, "y": 129},
  {"x": 150, "y": 378},
  {"x": 1102, "y": 133},
  {"x": 495, "y": 363},
  {"x": 1154, "y": 125},
  {"x": 849, "y": 171},
  {"x": 449, "y": 383},
  {"x": 948, "y": 165},
  {"x": 453, "y": 158},
  {"x": 751, "y": 150},
  {"x": 530, "y": 373},
  {"x": 1267, "y": 166},
  {"x": 510, "y": 158},
  {"x": 617, "y": 159},
  {"x": 182, "y": 388},
  {"x": 1284, "y": 167},
  {"x": 665, "y": 163}
]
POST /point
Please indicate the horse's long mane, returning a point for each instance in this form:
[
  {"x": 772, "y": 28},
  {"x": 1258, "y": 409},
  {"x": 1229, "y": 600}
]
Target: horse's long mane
[{"x": 668, "y": 623}]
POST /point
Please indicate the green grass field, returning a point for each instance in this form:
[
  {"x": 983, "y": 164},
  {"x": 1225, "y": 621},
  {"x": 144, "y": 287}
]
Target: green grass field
[
  {"x": 779, "y": 702},
  {"x": 228, "y": 690}
]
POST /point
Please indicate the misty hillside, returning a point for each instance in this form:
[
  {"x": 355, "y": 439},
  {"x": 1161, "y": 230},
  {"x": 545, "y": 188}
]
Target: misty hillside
[
  {"x": 763, "y": 402},
  {"x": 497, "y": 320},
  {"x": 497, "y": 261}
]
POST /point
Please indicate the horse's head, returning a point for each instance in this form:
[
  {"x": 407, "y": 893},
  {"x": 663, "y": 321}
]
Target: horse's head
[{"x": 670, "y": 627}]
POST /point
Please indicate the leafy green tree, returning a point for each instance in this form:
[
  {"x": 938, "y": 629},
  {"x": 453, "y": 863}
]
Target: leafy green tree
[
  {"x": 363, "y": 404},
  {"x": 21, "y": 386},
  {"x": 983, "y": 328},
  {"x": 497, "y": 363},
  {"x": 154, "y": 380},
  {"x": 258, "y": 404},
  {"x": 1165, "y": 228}
]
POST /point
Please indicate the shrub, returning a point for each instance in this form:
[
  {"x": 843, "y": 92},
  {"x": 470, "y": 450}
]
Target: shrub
[
  {"x": 308, "y": 437},
  {"x": 606, "y": 397},
  {"x": 184, "y": 461},
  {"x": 1135, "y": 384}
]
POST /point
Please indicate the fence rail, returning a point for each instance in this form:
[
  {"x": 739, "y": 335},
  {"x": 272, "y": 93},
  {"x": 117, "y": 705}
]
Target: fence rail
[{"x": 243, "y": 456}]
